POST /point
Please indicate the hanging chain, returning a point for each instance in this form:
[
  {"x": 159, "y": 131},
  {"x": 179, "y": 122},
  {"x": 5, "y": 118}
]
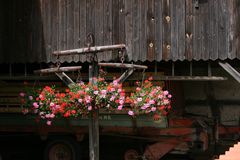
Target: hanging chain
[
  {"x": 79, "y": 79},
  {"x": 122, "y": 55},
  {"x": 58, "y": 63}
]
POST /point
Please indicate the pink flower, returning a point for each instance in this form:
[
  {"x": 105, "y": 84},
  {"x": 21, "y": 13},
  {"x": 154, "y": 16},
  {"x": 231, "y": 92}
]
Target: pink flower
[
  {"x": 103, "y": 92},
  {"x": 169, "y": 96},
  {"x": 49, "y": 123},
  {"x": 40, "y": 96},
  {"x": 30, "y": 98},
  {"x": 121, "y": 102},
  {"x": 80, "y": 100},
  {"x": 52, "y": 104},
  {"x": 138, "y": 89},
  {"x": 35, "y": 105},
  {"x": 88, "y": 99},
  {"x": 143, "y": 107},
  {"x": 113, "y": 89},
  {"x": 153, "y": 109},
  {"x": 22, "y": 94},
  {"x": 160, "y": 96},
  {"x": 119, "y": 90},
  {"x": 47, "y": 115},
  {"x": 120, "y": 107},
  {"x": 131, "y": 113},
  {"x": 95, "y": 92},
  {"x": 112, "y": 98},
  {"x": 165, "y": 101},
  {"x": 89, "y": 108},
  {"x": 165, "y": 93},
  {"x": 115, "y": 83},
  {"x": 151, "y": 102},
  {"x": 52, "y": 116}
]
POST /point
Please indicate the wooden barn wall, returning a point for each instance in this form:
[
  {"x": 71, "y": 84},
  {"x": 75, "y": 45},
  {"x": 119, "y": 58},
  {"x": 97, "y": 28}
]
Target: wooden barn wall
[{"x": 152, "y": 29}]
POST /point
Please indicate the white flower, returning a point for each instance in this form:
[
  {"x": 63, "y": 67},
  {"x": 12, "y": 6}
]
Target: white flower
[
  {"x": 139, "y": 99},
  {"x": 95, "y": 92}
]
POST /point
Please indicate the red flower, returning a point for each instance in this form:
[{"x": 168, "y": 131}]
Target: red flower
[
  {"x": 156, "y": 117},
  {"x": 73, "y": 112},
  {"x": 67, "y": 114}
]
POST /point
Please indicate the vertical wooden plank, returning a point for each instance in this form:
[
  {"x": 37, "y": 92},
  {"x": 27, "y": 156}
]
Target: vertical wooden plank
[
  {"x": 76, "y": 27},
  {"x": 90, "y": 19},
  {"x": 2, "y": 26},
  {"x": 222, "y": 29},
  {"x": 82, "y": 26},
  {"x": 236, "y": 17},
  {"x": 158, "y": 23},
  {"x": 166, "y": 29},
  {"x": 213, "y": 11},
  {"x": 115, "y": 26},
  {"x": 150, "y": 31},
  {"x": 197, "y": 36},
  {"x": 38, "y": 41},
  {"x": 174, "y": 29},
  {"x": 237, "y": 24},
  {"x": 136, "y": 30},
  {"x": 231, "y": 29},
  {"x": 61, "y": 25},
  {"x": 122, "y": 33},
  {"x": 18, "y": 36},
  {"x": 205, "y": 30},
  {"x": 99, "y": 21},
  {"x": 48, "y": 29},
  {"x": 129, "y": 28},
  {"x": 115, "y": 21},
  {"x": 189, "y": 30},
  {"x": 107, "y": 28},
  {"x": 70, "y": 27},
  {"x": 55, "y": 27},
  {"x": 181, "y": 10}
]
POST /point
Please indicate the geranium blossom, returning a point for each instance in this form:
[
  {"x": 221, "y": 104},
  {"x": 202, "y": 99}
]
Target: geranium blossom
[{"x": 83, "y": 98}]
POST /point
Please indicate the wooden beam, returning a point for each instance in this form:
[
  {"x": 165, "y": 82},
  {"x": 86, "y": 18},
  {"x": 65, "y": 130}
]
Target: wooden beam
[
  {"x": 125, "y": 75},
  {"x": 227, "y": 67},
  {"x": 56, "y": 69},
  {"x": 67, "y": 80},
  {"x": 89, "y": 50},
  {"x": 122, "y": 65},
  {"x": 134, "y": 77},
  {"x": 189, "y": 78}
]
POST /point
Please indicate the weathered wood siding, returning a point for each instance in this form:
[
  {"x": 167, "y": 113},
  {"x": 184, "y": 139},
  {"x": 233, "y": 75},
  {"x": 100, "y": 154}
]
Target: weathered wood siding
[{"x": 152, "y": 29}]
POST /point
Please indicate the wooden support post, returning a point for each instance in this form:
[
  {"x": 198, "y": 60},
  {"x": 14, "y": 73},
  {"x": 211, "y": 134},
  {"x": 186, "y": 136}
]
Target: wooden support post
[{"x": 93, "y": 120}]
